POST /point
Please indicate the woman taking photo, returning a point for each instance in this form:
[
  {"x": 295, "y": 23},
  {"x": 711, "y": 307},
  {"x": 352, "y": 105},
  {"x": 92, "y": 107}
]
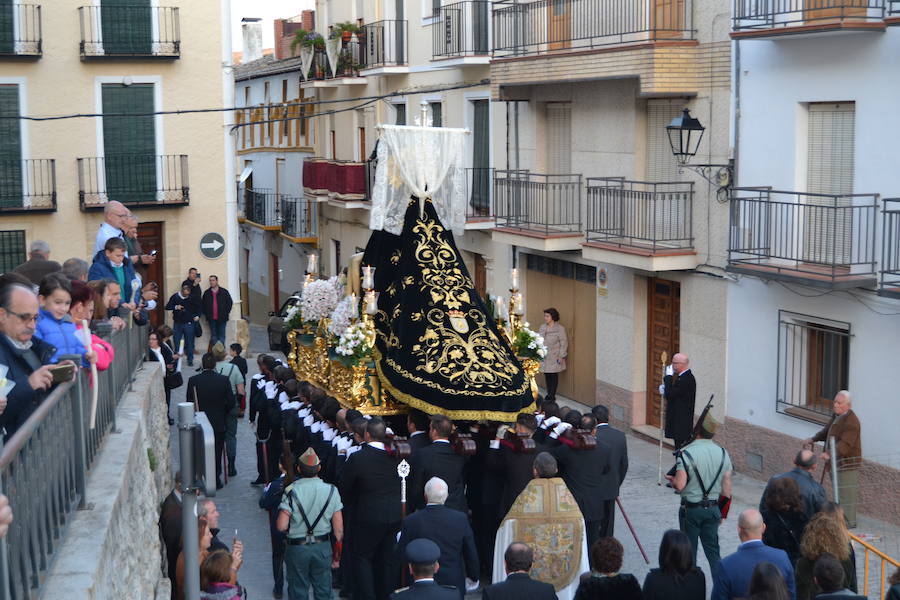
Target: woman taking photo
[{"x": 557, "y": 343}]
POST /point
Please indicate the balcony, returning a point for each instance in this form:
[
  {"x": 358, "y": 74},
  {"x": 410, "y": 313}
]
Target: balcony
[
  {"x": 461, "y": 33},
  {"x": 385, "y": 47},
  {"x": 640, "y": 224},
  {"x": 135, "y": 180},
  {"x": 20, "y": 30},
  {"x": 822, "y": 240},
  {"x": 299, "y": 220},
  {"x": 774, "y": 18},
  {"x": 27, "y": 186},
  {"x": 890, "y": 249},
  {"x": 538, "y": 211},
  {"x": 350, "y": 60},
  {"x": 262, "y": 208},
  {"x": 129, "y": 32},
  {"x": 341, "y": 183}
]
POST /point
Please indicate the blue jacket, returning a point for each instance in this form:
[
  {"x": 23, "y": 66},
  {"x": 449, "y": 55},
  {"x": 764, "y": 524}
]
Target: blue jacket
[
  {"x": 103, "y": 269},
  {"x": 732, "y": 578},
  {"x": 60, "y": 333},
  {"x": 22, "y": 400}
]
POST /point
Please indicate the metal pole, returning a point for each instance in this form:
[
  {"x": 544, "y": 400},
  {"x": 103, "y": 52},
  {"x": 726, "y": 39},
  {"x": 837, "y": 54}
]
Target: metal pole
[
  {"x": 832, "y": 451},
  {"x": 190, "y": 539},
  {"x": 80, "y": 446}
]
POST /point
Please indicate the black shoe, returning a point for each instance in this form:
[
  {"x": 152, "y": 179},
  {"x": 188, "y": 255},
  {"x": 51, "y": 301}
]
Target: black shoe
[
  {"x": 277, "y": 595},
  {"x": 258, "y": 481},
  {"x": 232, "y": 472},
  {"x": 219, "y": 484},
  {"x": 171, "y": 421}
]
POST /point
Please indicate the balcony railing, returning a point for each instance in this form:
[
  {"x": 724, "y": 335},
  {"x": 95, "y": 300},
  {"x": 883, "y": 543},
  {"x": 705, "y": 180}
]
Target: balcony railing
[
  {"x": 890, "y": 248},
  {"x": 351, "y": 59},
  {"x": 261, "y": 207},
  {"x": 752, "y": 15},
  {"x": 20, "y": 30},
  {"x": 44, "y": 464},
  {"x": 27, "y": 185},
  {"x": 130, "y": 31},
  {"x": 644, "y": 215},
  {"x": 137, "y": 180},
  {"x": 462, "y": 29},
  {"x": 299, "y": 217},
  {"x": 343, "y": 180},
  {"x": 386, "y": 44},
  {"x": 818, "y": 238},
  {"x": 523, "y": 27},
  {"x": 545, "y": 204}
]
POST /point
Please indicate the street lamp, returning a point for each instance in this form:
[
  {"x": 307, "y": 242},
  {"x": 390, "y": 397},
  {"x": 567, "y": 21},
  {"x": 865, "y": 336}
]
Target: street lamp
[{"x": 685, "y": 133}]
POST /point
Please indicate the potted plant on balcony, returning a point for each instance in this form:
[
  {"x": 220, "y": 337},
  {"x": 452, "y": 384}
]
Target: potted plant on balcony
[
  {"x": 345, "y": 30},
  {"x": 307, "y": 39}
]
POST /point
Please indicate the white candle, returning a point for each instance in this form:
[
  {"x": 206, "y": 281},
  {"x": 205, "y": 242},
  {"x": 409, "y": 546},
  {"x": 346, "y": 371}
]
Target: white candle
[
  {"x": 354, "y": 306},
  {"x": 368, "y": 281},
  {"x": 518, "y": 304},
  {"x": 514, "y": 277},
  {"x": 498, "y": 310},
  {"x": 371, "y": 301},
  {"x": 312, "y": 265}
]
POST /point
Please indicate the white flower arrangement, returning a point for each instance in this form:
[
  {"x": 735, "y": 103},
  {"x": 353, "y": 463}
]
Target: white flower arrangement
[
  {"x": 353, "y": 342},
  {"x": 320, "y": 298},
  {"x": 293, "y": 316},
  {"x": 343, "y": 315},
  {"x": 529, "y": 344}
]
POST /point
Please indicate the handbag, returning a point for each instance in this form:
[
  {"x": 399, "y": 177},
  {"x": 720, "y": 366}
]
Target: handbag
[
  {"x": 198, "y": 329},
  {"x": 173, "y": 380}
]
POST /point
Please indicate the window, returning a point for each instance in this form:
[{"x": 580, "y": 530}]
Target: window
[
  {"x": 813, "y": 364},
  {"x": 562, "y": 268},
  {"x": 399, "y": 114},
  {"x": 126, "y": 26},
  {"x": 10, "y": 149},
  {"x": 437, "y": 116},
  {"x": 559, "y": 138},
  {"x": 480, "y": 200},
  {"x": 661, "y": 165},
  {"x": 336, "y": 247},
  {"x": 12, "y": 249},
  {"x": 129, "y": 142},
  {"x": 435, "y": 7}
]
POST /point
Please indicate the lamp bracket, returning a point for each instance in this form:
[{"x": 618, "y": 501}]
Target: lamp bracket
[{"x": 719, "y": 175}]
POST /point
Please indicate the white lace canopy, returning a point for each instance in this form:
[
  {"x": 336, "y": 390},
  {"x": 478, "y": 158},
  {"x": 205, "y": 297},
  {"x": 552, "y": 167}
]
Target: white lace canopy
[{"x": 425, "y": 162}]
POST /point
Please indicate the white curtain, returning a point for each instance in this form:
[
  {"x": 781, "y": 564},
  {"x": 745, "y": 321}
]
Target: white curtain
[
  {"x": 425, "y": 162},
  {"x": 332, "y": 47},
  {"x": 306, "y": 57}
]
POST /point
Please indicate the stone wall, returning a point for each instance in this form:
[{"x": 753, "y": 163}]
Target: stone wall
[{"x": 112, "y": 549}]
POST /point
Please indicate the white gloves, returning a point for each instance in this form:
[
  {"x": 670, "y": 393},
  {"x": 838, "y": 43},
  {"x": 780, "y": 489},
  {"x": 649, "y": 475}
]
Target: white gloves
[
  {"x": 670, "y": 370},
  {"x": 501, "y": 431},
  {"x": 308, "y": 420},
  {"x": 270, "y": 388},
  {"x": 328, "y": 433},
  {"x": 471, "y": 586},
  {"x": 662, "y": 389},
  {"x": 550, "y": 423},
  {"x": 560, "y": 429}
]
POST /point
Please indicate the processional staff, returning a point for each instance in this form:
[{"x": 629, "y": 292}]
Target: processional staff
[
  {"x": 403, "y": 472},
  {"x": 663, "y": 358}
]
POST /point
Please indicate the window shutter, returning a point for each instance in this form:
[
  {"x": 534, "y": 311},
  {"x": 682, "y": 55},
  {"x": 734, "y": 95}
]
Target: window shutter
[
  {"x": 661, "y": 165},
  {"x": 481, "y": 157},
  {"x": 129, "y": 143},
  {"x": 126, "y": 26},
  {"x": 7, "y": 28},
  {"x": 830, "y": 165},
  {"x": 10, "y": 148},
  {"x": 559, "y": 138},
  {"x": 437, "y": 117}
]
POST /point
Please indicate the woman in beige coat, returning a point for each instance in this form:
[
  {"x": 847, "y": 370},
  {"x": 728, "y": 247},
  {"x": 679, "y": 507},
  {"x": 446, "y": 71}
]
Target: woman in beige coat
[{"x": 557, "y": 343}]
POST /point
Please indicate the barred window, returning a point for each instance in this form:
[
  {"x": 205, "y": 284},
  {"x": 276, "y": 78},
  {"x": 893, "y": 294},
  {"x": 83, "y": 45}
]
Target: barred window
[
  {"x": 813, "y": 364},
  {"x": 562, "y": 268},
  {"x": 12, "y": 249}
]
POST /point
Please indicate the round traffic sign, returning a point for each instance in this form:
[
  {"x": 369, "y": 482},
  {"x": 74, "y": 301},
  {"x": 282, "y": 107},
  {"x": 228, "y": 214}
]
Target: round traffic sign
[{"x": 212, "y": 245}]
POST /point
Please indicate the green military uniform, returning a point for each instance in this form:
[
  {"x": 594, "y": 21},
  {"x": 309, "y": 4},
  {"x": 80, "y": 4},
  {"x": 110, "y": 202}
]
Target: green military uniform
[
  {"x": 699, "y": 515},
  {"x": 308, "y": 552}
]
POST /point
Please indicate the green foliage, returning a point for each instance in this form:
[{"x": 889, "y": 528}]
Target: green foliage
[{"x": 151, "y": 458}]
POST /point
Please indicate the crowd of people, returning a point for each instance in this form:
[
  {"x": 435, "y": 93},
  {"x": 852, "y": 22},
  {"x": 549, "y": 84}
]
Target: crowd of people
[{"x": 478, "y": 511}]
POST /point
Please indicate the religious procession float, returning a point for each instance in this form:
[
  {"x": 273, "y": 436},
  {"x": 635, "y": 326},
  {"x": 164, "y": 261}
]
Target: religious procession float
[{"x": 404, "y": 327}]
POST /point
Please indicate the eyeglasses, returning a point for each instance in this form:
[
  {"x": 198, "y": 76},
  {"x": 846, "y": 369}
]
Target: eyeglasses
[{"x": 26, "y": 317}]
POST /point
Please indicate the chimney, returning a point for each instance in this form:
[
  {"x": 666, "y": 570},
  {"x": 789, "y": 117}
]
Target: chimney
[
  {"x": 308, "y": 18},
  {"x": 251, "y": 28}
]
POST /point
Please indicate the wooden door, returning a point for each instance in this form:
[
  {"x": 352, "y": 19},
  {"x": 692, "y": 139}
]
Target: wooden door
[
  {"x": 150, "y": 235},
  {"x": 667, "y": 19},
  {"x": 274, "y": 283},
  {"x": 362, "y": 143},
  {"x": 559, "y": 28},
  {"x": 663, "y": 323},
  {"x": 576, "y": 303}
]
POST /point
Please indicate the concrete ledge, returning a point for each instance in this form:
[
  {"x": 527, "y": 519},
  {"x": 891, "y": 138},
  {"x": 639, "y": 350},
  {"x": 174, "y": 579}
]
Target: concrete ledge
[{"x": 112, "y": 549}]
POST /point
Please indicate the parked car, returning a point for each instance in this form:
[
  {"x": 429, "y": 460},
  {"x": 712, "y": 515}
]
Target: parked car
[{"x": 276, "y": 329}]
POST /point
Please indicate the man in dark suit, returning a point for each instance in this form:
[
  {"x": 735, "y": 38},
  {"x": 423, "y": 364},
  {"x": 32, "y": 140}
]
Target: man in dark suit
[
  {"x": 423, "y": 555},
  {"x": 38, "y": 264},
  {"x": 370, "y": 489},
  {"x": 518, "y": 585},
  {"x": 417, "y": 425},
  {"x": 438, "y": 459},
  {"x": 614, "y": 444},
  {"x": 170, "y": 526},
  {"x": 450, "y": 530},
  {"x": 515, "y": 468},
  {"x": 215, "y": 398},
  {"x": 732, "y": 578},
  {"x": 680, "y": 391}
]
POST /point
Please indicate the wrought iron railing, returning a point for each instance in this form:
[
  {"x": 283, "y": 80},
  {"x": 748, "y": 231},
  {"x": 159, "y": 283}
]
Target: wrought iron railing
[
  {"x": 385, "y": 44},
  {"x": 542, "y": 203},
  {"x": 130, "y": 31},
  {"x": 462, "y": 29},
  {"x": 890, "y": 247},
  {"x": 522, "y": 27},
  {"x": 20, "y": 30},
  {"x": 640, "y": 214},
  {"x": 261, "y": 207},
  {"x": 135, "y": 179},
  {"x": 774, "y": 14},
  {"x": 479, "y": 193},
  {"x": 44, "y": 464},
  {"x": 299, "y": 217},
  {"x": 27, "y": 185},
  {"x": 822, "y": 236}
]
